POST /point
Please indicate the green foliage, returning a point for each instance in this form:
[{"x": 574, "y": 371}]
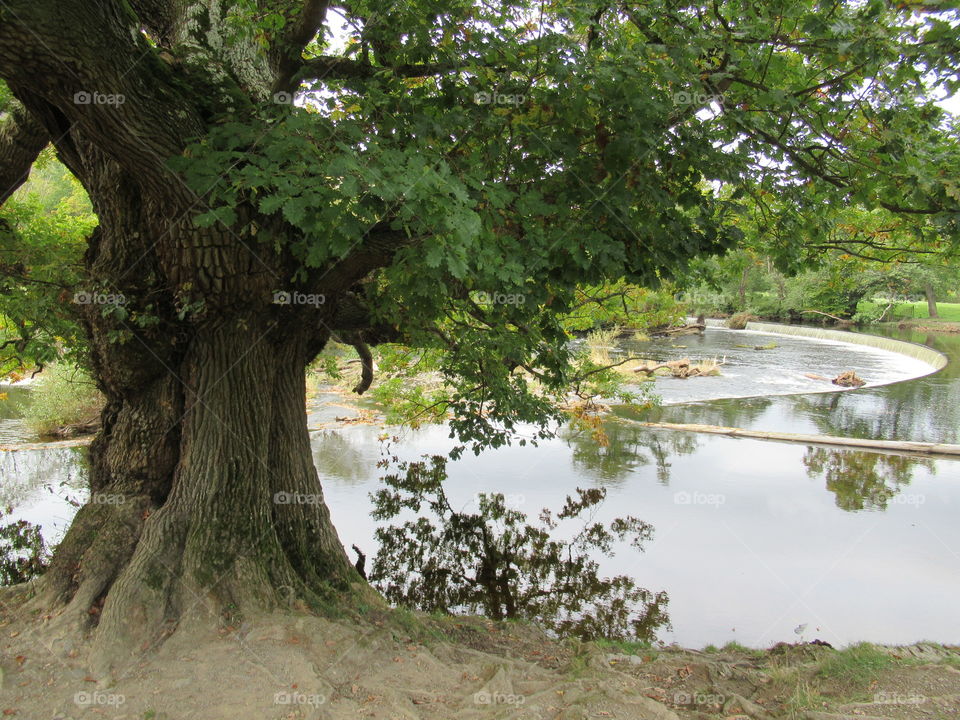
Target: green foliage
[
  {"x": 560, "y": 152},
  {"x": 43, "y": 229},
  {"x": 840, "y": 285},
  {"x": 621, "y": 304},
  {"x": 63, "y": 395},
  {"x": 23, "y": 553},
  {"x": 494, "y": 562}
]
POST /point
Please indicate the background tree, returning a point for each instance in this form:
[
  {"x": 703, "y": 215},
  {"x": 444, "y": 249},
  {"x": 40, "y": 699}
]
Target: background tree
[
  {"x": 847, "y": 255},
  {"x": 43, "y": 230},
  {"x": 450, "y": 148}
]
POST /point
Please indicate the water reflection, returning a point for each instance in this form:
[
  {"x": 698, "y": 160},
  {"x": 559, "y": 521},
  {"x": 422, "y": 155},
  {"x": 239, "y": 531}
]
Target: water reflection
[
  {"x": 733, "y": 412},
  {"x": 350, "y": 457},
  {"x": 630, "y": 448},
  {"x": 12, "y": 427},
  {"x": 56, "y": 469},
  {"x": 44, "y": 487},
  {"x": 864, "y": 480}
]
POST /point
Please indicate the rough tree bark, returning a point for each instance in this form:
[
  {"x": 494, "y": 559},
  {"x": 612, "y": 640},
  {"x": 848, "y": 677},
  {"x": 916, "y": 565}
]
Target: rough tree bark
[{"x": 205, "y": 499}]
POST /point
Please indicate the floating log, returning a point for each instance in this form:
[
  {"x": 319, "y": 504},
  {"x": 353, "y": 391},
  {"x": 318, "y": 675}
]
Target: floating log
[
  {"x": 75, "y": 442},
  {"x": 910, "y": 446}
]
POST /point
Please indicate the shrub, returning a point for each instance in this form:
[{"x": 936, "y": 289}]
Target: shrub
[
  {"x": 64, "y": 395},
  {"x": 739, "y": 321}
]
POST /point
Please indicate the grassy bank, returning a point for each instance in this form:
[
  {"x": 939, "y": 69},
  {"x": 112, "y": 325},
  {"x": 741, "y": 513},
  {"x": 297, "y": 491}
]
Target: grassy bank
[{"x": 948, "y": 312}]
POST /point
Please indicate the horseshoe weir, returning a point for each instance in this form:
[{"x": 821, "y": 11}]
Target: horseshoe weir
[{"x": 935, "y": 359}]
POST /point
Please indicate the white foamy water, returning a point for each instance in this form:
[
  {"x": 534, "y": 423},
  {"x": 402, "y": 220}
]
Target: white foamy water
[{"x": 747, "y": 371}]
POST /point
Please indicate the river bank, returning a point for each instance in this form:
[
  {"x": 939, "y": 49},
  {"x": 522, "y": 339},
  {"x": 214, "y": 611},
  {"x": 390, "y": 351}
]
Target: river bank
[{"x": 390, "y": 665}]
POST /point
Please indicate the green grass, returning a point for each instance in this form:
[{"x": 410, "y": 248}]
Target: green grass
[
  {"x": 803, "y": 697},
  {"x": 734, "y": 647},
  {"x": 855, "y": 665},
  {"x": 949, "y": 312}
]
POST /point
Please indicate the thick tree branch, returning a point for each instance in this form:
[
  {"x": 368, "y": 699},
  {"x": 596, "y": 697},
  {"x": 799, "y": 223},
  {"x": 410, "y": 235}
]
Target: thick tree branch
[
  {"x": 22, "y": 137},
  {"x": 77, "y": 65},
  {"x": 311, "y": 20},
  {"x": 366, "y": 364},
  {"x": 377, "y": 249}
]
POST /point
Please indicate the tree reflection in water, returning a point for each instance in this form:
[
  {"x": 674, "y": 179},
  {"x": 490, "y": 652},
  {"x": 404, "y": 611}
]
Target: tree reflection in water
[
  {"x": 863, "y": 480},
  {"x": 630, "y": 447}
]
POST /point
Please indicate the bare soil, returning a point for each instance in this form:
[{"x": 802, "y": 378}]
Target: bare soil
[{"x": 292, "y": 666}]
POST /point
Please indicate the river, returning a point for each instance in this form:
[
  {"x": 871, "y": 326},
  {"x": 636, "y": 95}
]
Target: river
[{"x": 755, "y": 541}]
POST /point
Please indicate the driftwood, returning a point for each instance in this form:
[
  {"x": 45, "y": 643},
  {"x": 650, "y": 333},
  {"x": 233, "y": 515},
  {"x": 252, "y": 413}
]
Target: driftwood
[
  {"x": 691, "y": 329},
  {"x": 73, "y": 430},
  {"x": 909, "y": 446},
  {"x": 848, "y": 379},
  {"x": 840, "y": 321},
  {"x": 826, "y": 314},
  {"x": 678, "y": 368}
]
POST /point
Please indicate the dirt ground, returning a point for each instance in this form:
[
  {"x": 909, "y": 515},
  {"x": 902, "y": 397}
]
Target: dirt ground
[{"x": 405, "y": 667}]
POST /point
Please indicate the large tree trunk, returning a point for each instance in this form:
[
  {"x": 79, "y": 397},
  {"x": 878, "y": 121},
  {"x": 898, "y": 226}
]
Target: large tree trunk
[
  {"x": 205, "y": 502},
  {"x": 931, "y": 300},
  {"x": 211, "y": 510},
  {"x": 244, "y": 525}
]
